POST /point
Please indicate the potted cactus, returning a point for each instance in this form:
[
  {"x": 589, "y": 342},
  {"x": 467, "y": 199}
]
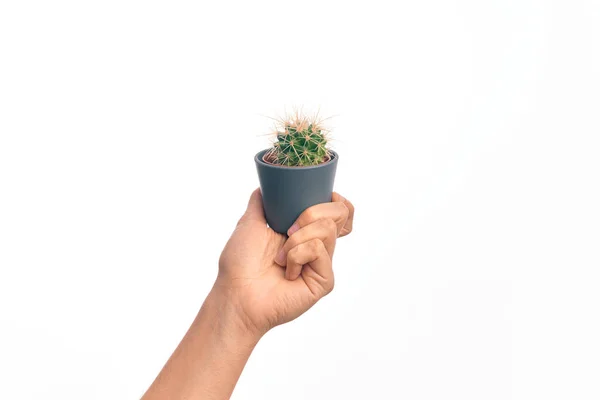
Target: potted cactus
[{"x": 297, "y": 172}]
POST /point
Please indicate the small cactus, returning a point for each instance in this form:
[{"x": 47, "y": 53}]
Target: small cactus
[{"x": 300, "y": 142}]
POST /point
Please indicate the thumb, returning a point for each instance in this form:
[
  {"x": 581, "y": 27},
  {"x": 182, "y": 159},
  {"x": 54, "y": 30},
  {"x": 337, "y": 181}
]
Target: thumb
[{"x": 255, "y": 210}]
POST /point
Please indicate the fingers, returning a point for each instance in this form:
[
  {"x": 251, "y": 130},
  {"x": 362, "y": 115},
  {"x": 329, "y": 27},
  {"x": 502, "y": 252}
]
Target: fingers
[
  {"x": 340, "y": 210},
  {"x": 314, "y": 254},
  {"x": 255, "y": 211},
  {"x": 347, "y": 228},
  {"x": 323, "y": 223},
  {"x": 324, "y": 229}
]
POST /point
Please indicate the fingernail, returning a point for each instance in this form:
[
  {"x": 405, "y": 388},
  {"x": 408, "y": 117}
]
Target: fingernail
[
  {"x": 280, "y": 258},
  {"x": 293, "y": 229}
]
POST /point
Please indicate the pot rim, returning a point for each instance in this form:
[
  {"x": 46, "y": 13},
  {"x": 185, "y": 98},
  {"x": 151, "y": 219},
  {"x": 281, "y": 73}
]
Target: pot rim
[{"x": 259, "y": 159}]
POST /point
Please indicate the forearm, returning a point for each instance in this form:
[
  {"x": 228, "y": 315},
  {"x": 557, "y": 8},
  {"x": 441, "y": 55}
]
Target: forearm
[{"x": 209, "y": 360}]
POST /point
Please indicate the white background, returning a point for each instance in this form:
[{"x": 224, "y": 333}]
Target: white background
[{"x": 468, "y": 140}]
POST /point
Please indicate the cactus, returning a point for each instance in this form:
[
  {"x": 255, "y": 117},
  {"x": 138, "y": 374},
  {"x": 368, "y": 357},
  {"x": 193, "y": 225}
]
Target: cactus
[{"x": 300, "y": 142}]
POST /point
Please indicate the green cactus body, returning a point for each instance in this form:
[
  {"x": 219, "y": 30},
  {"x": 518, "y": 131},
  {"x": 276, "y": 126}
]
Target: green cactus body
[{"x": 301, "y": 144}]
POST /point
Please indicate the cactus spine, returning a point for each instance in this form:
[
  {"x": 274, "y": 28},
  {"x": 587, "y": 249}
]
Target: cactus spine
[{"x": 300, "y": 142}]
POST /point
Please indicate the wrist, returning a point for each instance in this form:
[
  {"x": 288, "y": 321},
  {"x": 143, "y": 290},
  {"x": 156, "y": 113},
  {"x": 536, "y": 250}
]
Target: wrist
[{"x": 230, "y": 319}]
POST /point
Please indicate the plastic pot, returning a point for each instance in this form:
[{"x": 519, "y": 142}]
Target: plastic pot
[{"x": 288, "y": 191}]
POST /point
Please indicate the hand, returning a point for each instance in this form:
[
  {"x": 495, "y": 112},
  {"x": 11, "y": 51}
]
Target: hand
[
  {"x": 270, "y": 280},
  {"x": 265, "y": 279}
]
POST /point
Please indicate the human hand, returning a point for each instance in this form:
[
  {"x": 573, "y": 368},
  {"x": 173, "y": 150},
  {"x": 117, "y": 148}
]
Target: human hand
[
  {"x": 265, "y": 279},
  {"x": 270, "y": 279}
]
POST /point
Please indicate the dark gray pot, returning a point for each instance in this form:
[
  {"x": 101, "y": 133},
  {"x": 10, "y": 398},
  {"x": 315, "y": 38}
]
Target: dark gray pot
[{"x": 288, "y": 191}]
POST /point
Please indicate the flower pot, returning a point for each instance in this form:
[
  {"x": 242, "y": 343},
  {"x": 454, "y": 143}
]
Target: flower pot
[{"x": 288, "y": 191}]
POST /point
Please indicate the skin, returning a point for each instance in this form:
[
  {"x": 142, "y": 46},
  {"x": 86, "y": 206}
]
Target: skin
[{"x": 265, "y": 279}]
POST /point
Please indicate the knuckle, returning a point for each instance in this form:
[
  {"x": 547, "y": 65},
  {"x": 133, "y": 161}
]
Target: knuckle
[
  {"x": 320, "y": 246},
  {"x": 330, "y": 225},
  {"x": 293, "y": 255},
  {"x": 309, "y": 214},
  {"x": 325, "y": 223},
  {"x": 350, "y": 207},
  {"x": 345, "y": 210},
  {"x": 346, "y": 230},
  {"x": 315, "y": 246}
]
